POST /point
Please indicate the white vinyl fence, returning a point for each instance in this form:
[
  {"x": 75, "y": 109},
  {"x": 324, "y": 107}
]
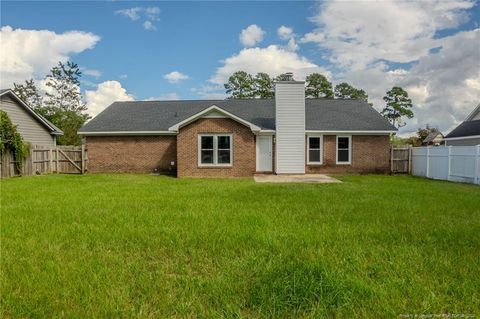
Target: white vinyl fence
[{"x": 452, "y": 163}]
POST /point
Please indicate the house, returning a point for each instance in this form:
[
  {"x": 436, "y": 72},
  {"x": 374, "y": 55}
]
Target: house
[
  {"x": 434, "y": 138},
  {"x": 468, "y": 132},
  {"x": 224, "y": 138},
  {"x": 33, "y": 127}
]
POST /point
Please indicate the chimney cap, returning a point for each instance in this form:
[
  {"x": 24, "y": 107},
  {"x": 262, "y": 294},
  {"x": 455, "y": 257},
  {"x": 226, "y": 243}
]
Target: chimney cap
[{"x": 289, "y": 76}]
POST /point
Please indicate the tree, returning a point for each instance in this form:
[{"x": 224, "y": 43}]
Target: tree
[
  {"x": 346, "y": 91},
  {"x": 263, "y": 84},
  {"x": 424, "y": 132},
  {"x": 28, "y": 93},
  {"x": 240, "y": 85},
  {"x": 318, "y": 86},
  {"x": 63, "y": 104},
  {"x": 398, "y": 105}
]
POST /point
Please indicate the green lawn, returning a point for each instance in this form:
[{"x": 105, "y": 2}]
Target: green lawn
[{"x": 111, "y": 246}]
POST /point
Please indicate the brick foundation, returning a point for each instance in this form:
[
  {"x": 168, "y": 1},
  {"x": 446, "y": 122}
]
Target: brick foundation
[
  {"x": 370, "y": 154},
  {"x": 243, "y": 139},
  {"x": 131, "y": 154}
]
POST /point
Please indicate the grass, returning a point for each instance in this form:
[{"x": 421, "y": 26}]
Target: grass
[{"x": 136, "y": 246}]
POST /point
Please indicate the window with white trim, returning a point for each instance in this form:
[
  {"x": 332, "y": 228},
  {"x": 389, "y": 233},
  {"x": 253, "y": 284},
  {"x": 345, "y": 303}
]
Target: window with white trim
[
  {"x": 214, "y": 150},
  {"x": 344, "y": 149},
  {"x": 314, "y": 150}
]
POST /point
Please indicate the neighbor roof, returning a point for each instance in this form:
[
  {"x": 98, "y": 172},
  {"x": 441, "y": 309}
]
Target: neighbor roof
[
  {"x": 49, "y": 125},
  {"x": 467, "y": 128},
  {"x": 157, "y": 116},
  {"x": 430, "y": 137}
]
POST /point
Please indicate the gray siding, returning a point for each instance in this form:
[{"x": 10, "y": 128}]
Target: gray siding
[
  {"x": 465, "y": 142},
  {"x": 30, "y": 129},
  {"x": 290, "y": 127}
]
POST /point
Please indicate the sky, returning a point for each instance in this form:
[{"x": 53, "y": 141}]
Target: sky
[{"x": 151, "y": 50}]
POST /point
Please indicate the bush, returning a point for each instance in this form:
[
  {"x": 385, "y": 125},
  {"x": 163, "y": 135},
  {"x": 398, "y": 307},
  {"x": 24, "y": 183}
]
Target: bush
[{"x": 11, "y": 140}]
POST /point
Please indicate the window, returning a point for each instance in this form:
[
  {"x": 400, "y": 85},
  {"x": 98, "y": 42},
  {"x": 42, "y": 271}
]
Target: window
[
  {"x": 315, "y": 154},
  {"x": 344, "y": 149},
  {"x": 214, "y": 150}
]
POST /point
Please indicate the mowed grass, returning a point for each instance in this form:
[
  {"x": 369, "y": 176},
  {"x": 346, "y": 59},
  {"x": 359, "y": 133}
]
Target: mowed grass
[{"x": 139, "y": 246}]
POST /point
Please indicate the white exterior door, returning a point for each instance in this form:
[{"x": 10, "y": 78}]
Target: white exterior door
[{"x": 264, "y": 153}]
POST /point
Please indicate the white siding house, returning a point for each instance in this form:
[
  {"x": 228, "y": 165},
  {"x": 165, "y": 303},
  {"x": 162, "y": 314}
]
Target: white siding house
[
  {"x": 32, "y": 127},
  {"x": 468, "y": 132}
]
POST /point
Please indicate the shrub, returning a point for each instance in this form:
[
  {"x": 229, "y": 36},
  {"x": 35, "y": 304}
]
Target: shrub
[{"x": 11, "y": 140}]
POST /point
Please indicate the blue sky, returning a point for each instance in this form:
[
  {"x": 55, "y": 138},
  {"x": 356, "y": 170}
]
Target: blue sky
[{"x": 126, "y": 49}]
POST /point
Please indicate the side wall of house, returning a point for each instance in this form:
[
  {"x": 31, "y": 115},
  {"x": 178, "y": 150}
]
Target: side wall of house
[
  {"x": 370, "y": 154},
  {"x": 243, "y": 141},
  {"x": 28, "y": 127},
  {"x": 132, "y": 154},
  {"x": 464, "y": 142}
]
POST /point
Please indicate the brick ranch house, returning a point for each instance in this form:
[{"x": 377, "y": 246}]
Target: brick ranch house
[{"x": 234, "y": 138}]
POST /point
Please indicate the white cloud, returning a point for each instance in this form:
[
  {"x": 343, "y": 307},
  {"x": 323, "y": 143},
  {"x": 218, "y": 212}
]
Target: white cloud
[
  {"x": 175, "y": 77},
  {"x": 123, "y": 76},
  {"x": 149, "y": 14},
  {"x": 94, "y": 73},
  {"x": 31, "y": 53},
  {"x": 397, "y": 31},
  {"x": 285, "y": 33},
  {"x": 444, "y": 86},
  {"x": 252, "y": 35},
  {"x": 363, "y": 42},
  {"x": 106, "y": 93},
  {"x": 165, "y": 97},
  {"x": 131, "y": 13},
  {"x": 211, "y": 92},
  {"x": 148, "y": 25},
  {"x": 273, "y": 60}
]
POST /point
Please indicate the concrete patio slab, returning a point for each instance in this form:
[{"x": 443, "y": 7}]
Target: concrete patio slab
[{"x": 307, "y": 178}]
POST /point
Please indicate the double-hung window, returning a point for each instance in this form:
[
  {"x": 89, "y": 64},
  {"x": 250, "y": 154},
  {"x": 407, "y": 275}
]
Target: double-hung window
[
  {"x": 344, "y": 149},
  {"x": 315, "y": 154},
  {"x": 215, "y": 150}
]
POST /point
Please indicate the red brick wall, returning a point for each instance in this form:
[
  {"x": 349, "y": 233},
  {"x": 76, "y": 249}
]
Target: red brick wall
[
  {"x": 370, "y": 154},
  {"x": 132, "y": 154},
  {"x": 243, "y": 163}
]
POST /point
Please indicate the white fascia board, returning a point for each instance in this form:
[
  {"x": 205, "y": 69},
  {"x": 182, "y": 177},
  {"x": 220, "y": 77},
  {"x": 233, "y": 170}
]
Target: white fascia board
[
  {"x": 349, "y": 132},
  {"x": 461, "y": 138},
  {"x": 265, "y": 132},
  {"x": 198, "y": 115},
  {"x": 125, "y": 133},
  {"x": 473, "y": 113}
]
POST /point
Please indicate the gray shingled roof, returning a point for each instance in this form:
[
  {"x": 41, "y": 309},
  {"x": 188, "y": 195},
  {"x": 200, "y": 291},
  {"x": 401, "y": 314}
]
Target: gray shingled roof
[
  {"x": 321, "y": 114},
  {"x": 467, "y": 128},
  {"x": 430, "y": 137}
]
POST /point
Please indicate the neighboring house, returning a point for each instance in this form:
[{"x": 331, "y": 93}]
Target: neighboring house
[
  {"x": 434, "y": 138},
  {"x": 285, "y": 135},
  {"x": 468, "y": 132},
  {"x": 33, "y": 127}
]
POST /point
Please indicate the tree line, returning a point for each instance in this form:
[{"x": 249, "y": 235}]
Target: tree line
[
  {"x": 61, "y": 103},
  {"x": 242, "y": 85}
]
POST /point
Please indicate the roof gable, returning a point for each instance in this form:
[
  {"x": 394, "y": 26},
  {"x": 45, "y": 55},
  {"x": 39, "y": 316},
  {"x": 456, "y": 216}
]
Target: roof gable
[
  {"x": 215, "y": 111},
  {"x": 43, "y": 121}
]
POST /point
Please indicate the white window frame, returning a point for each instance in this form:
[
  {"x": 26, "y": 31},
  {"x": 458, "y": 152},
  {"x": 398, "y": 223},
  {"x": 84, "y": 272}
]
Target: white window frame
[
  {"x": 215, "y": 150},
  {"x": 321, "y": 149},
  {"x": 349, "y": 150}
]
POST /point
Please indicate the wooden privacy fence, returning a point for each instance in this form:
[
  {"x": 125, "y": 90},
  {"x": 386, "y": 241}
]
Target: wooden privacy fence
[
  {"x": 452, "y": 163},
  {"x": 401, "y": 159},
  {"x": 44, "y": 159}
]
